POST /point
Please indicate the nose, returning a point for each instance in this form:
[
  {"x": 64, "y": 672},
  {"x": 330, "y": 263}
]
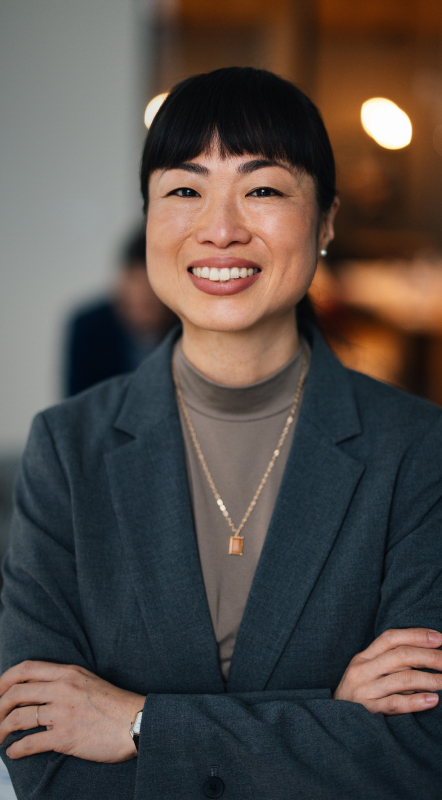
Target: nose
[{"x": 222, "y": 225}]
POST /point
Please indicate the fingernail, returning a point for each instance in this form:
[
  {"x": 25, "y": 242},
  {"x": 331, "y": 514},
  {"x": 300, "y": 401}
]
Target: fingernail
[
  {"x": 7, "y": 752},
  {"x": 431, "y": 699},
  {"x": 435, "y": 636}
]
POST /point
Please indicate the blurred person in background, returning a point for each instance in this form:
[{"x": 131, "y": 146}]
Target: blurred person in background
[
  {"x": 113, "y": 336},
  {"x": 225, "y": 570}
]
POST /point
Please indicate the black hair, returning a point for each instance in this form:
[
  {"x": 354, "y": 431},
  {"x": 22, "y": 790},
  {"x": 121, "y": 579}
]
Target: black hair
[
  {"x": 241, "y": 110},
  {"x": 133, "y": 251}
]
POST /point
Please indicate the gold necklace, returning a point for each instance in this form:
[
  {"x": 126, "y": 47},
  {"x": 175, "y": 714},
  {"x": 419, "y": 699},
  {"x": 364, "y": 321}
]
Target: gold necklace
[{"x": 236, "y": 541}]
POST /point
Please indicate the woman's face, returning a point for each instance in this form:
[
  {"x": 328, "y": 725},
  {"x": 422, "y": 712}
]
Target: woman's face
[{"x": 251, "y": 223}]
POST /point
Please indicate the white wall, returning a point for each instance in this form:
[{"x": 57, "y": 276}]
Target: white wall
[{"x": 70, "y": 139}]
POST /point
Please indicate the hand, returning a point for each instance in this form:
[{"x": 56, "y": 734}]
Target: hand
[
  {"x": 386, "y": 676},
  {"x": 84, "y": 716}
]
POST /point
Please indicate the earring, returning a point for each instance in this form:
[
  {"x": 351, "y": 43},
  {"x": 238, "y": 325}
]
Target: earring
[{"x": 323, "y": 253}]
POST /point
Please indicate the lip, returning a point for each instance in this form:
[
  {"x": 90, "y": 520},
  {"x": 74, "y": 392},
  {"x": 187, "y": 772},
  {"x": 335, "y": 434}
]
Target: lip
[{"x": 221, "y": 288}]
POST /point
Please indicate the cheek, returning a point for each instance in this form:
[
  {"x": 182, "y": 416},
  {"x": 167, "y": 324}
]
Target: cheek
[
  {"x": 293, "y": 231},
  {"x": 159, "y": 235},
  {"x": 166, "y": 234},
  {"x": 164, "y": 241},
  {"x": 294, "y": 244},
  {"x": 162, "y": 278},
  {"x": 294, "y": 256}
]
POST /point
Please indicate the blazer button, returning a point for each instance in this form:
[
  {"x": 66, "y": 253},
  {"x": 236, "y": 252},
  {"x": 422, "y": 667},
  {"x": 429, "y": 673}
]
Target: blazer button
[{"x": 213, "y": 787}]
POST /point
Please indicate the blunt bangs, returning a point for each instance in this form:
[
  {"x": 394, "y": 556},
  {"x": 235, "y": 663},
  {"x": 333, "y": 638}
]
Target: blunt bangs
[{"x": 240, "y": 110}]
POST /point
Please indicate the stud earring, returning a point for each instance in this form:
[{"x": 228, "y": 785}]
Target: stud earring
[{"x": 323, "y": 252}]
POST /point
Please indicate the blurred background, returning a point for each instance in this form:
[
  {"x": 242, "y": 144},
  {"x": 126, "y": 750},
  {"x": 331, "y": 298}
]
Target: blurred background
[{"x": 76, "y": 78}]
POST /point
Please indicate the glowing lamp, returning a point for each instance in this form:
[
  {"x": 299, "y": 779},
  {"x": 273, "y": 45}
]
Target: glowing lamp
[
  {"x": 153, "y": 107},
  {"x": 386, "y": 123}
]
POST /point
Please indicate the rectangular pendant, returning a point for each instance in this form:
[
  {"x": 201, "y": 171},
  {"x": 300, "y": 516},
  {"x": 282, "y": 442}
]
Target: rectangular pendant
[{"x": 236, "y": 543}]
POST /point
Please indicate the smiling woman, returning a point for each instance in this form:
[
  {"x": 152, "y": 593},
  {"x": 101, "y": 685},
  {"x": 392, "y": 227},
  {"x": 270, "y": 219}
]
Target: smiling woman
[
  {"x": 224, "y": 575},
  {"x": 250, "y": 187},
  {"x": 245, "y": 230}
]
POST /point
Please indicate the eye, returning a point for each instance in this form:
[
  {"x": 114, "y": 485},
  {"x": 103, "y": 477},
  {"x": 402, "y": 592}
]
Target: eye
[
  {"x": 184, "y": 191},
  {"x": 265, "y": 191}
]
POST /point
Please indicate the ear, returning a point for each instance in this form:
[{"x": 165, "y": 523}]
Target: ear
[{"x": 326, "y": 229}]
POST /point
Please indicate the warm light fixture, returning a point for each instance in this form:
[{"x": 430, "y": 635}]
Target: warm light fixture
[
  {"x": 386, "y": 123},
  {"x": 153, "y": 107}
]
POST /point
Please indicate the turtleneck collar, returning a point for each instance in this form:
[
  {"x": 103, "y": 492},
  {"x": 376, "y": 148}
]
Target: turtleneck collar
[{"x": 239, "y": 403}]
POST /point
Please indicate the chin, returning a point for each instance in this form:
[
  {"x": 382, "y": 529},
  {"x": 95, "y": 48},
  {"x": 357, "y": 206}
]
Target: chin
[
  {"x": 218, "y": 320},
  {"x": 233, "y": 321}
]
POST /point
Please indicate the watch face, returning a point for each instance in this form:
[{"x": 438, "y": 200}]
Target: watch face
[{"x": 136, "y": 725}]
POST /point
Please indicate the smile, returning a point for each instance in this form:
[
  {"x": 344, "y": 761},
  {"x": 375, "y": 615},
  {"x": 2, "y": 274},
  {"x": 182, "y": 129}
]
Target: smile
[
  {"x": 224, "y": 274},
  {"x": 223, "y": 281}
]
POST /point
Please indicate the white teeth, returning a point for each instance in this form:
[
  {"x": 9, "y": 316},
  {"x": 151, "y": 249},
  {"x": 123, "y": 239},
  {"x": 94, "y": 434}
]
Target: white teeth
[{"x": 224, "y": 274}]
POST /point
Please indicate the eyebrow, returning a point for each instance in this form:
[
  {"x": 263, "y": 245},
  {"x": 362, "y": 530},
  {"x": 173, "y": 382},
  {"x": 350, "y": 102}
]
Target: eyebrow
[
  {"x": 243, "y": 169},
  {"x": 189, "y": 166},
  {"x": 260, "y": 163}
]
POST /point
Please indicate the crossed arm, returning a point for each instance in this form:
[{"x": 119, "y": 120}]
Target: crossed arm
[{"x": 87, "y": 717}]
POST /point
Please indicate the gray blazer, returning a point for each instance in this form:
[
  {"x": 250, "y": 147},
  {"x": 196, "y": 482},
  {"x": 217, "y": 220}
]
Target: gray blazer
[{"x": 103, "y": 571}]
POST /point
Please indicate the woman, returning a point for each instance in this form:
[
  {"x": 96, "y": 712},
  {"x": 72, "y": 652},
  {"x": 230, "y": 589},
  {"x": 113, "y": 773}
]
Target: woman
[{"x": 236, "y": 549}]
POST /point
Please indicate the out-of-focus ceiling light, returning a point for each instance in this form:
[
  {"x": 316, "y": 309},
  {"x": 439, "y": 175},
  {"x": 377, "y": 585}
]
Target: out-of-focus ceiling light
[
  {"x": 153, "y": 107},
  {"x": 386, "y": 123}
]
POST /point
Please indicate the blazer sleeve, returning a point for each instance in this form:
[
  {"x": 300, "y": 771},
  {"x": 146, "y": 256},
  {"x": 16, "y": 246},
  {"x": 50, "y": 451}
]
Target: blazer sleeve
[
  {"x": 42, "y": 620},
  {"x": 262, "y": 745}
]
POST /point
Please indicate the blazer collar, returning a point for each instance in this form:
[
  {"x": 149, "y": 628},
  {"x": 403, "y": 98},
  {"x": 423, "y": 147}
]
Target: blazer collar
[
  {"x": 328, "y": 399},
  {"x": 152, "y": 504},
  {"x": 150, "y": 397},
  {"x": 318, "y": 484},
  {"x": 147, "y": 476}
]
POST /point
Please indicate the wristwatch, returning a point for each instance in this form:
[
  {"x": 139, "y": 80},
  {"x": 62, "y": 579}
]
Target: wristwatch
[{"x": 136, "y": 727}]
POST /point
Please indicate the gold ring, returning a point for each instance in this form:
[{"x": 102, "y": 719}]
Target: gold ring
[{"x": 36, "y": 714}]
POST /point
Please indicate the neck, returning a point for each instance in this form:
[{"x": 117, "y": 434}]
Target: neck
[{"x": 239, "y": 358}]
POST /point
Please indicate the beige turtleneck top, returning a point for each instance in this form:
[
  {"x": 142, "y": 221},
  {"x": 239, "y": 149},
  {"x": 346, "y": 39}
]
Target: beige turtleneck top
[{"x": 238, "y": 429}]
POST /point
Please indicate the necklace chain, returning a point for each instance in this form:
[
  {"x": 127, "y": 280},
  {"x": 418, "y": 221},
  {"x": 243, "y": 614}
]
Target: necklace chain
[{"x": 276, "y": 452}]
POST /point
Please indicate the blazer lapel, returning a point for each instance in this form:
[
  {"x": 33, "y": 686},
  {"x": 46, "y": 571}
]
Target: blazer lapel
[
  {"x": 318, "y": 485},
  {"x": 151, "y": 500},
  {"x": 148, "y": 482}
]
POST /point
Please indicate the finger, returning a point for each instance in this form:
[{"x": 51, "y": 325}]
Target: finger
[
  {"x": 364, "y": 673},
  {"x": 397, "y": 637},
  {"x": 36, "y": 671},
  {"x": 397, "y": 704},
  {"x": 409, "y": 680},
  {"x": 25, "y": 718},
  {"x": 33, "y": 743},
  {"x": 25, "y": 694},
  {"x": 405, "y": 658},
  {"x": 27, "y": 671}
]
